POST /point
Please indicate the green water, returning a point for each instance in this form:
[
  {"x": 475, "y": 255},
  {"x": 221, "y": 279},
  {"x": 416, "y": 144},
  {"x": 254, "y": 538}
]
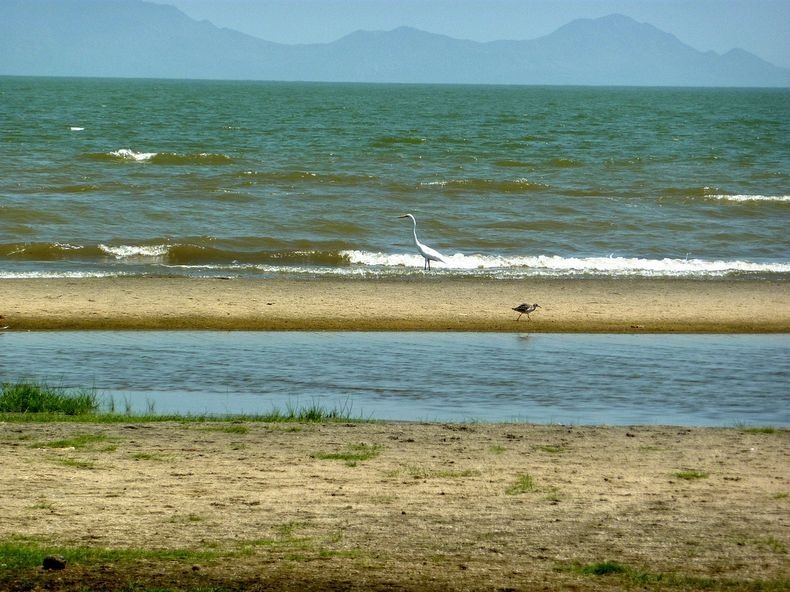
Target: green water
[{"x": 263, "y": 179}]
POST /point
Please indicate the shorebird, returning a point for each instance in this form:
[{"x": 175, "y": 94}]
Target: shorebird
[
  {"x": 525, "y": 309},
  {"x": 427, "y": 252}
]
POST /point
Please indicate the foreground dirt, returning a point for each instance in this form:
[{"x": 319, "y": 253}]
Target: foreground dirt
[{"x": 390, "y": 506}]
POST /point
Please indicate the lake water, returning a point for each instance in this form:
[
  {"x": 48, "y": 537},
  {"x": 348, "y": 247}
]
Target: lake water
[
  {"x": 255, "y": 179},
  {"x": 693, "y": 380}
]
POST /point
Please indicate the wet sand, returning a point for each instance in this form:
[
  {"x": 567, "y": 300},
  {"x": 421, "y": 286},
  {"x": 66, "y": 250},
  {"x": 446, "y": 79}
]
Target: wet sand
[
  {"x": 429, "y": 304},
  {"x": 398, "y": 506}
]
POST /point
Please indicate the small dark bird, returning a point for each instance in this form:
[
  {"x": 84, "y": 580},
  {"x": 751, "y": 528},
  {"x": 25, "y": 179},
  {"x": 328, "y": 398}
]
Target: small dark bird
[{"x": 525, "y": 309}]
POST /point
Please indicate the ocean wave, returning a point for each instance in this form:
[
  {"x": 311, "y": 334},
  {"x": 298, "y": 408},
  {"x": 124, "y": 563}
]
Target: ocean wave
[
  {"x": 385, "y": 141},
  {"x": 553, "y": 265},
  {"x": 205, "y": 254},
  {"x": 750, "y": 198},
  {"x": 162, "y": 158},
  {"x": 44, "y": 251},
  {"x": 135, "y": 251},
  {"x": 297, "y": 176},
  {"x": 502, "y": 186}
]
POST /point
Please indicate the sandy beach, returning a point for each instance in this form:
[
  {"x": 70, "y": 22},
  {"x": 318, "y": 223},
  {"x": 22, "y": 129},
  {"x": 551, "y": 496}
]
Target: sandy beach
[
  {"x": 398, "y": 506},
  {"x": 429, "y": 304}
]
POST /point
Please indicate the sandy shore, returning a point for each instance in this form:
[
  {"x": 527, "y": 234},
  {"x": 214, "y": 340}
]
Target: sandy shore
[
  {"x": 627, "y": 305},
  {"x": 420, "y": 507}
]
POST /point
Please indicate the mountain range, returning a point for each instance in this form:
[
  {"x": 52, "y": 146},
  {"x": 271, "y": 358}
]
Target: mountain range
[{"x": 141, "y": 39}]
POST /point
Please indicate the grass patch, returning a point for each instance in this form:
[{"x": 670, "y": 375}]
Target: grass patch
[
  {"x": 423, "y": 473},
  {"x": 76, "y": 463},
  {"x": 773, "y": 544},
  {"x": 231, "y": 429},
  {"x": 552, "y": 448},
  {"x": 153, "y": 456},
  {"x": 29, "y": 555},
  {"x": 603, "y": 568},
  {"x": 78, "y": 442},
  {"x": 524, "y": 484},
  {"x": 30, "y": 397},
  {"x": 690, "y": 475},
  {"x": 619, "y": 575},
  {"x": 34, "y": 402},
  {"x": 353, "y": 454},
  {"x": 762, "y": 430}
]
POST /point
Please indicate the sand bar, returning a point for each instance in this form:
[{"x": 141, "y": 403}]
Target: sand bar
[
  {"x": 422, "y": 507},
  {"x": 429, "y": 304}
]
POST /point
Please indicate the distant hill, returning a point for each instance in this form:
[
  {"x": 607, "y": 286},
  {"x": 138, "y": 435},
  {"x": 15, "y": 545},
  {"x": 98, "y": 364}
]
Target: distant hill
[{"x": 135, "y": 38}]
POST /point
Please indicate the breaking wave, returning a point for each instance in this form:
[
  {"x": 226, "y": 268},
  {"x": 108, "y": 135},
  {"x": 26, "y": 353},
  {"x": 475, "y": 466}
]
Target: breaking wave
[
  {"x": 552, "y": 265},
  {"x": 751, "y": 198},
  {"x": 192, "y": 256},
  {"x": 162, "y": 158}
]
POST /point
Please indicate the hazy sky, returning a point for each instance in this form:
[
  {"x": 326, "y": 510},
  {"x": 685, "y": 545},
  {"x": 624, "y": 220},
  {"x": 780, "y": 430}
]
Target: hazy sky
[{"x": 759, "y": 26}]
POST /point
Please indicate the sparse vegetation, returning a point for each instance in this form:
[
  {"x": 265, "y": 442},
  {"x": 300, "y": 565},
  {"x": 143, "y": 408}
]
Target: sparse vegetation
[
  {"x": 78, "y": 442},
  {"x": 154, "y": 456},
  {"x": 623, "y": 575},
  {"x": 524, "y": 484},
  {"x": 761, "y": 430},
  {"x": 354, "y": 453},
  {"x": 425, "y": 473},
  {"x": 690, "y": 475},
  {"x": 553, "y": 448},
  {"x": 76, "y": 463}
]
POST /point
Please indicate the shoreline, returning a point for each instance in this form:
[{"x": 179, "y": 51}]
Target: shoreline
[{"x": 632, "y": 305}]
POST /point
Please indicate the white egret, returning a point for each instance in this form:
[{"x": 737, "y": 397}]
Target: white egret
[
  {"x": 522, "y": 309},
  {"x": 427, "y": 252}
]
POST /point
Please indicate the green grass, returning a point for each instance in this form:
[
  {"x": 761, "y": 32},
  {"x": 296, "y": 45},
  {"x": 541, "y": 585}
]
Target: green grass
[
  {"x": 524, "y": 484},
  {"x": 30, "y": 397},
  {"x": 553, "y": 448},
  {"x": 762, "y": 430},
  {"x": 81, "y": 441},
  {"x": 30, "y": 401},
  {"x": 353, "y": 454},
  {"x": 29, "y": 554},
  {"x": 619, "y": 576},
  {"x": 76, "y": 463}
]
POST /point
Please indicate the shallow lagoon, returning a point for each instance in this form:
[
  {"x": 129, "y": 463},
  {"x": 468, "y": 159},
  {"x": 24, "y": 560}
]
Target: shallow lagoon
[{"x": 693, "y": 380}]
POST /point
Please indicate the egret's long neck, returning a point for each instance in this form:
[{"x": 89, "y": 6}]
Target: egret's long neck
[{"x": 414, "y": 230}]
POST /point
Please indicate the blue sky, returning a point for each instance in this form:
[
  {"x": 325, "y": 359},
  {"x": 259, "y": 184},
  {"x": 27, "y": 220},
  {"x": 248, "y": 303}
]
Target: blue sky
[{"x": 759, "y": 26}]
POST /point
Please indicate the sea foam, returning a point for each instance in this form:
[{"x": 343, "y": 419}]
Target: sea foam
[
  {"x": 553, "y": 265},
  {"x": 749, "y": 198},
  {"x": 128, "y": 154},
  {"x": 135, "y": 251}
]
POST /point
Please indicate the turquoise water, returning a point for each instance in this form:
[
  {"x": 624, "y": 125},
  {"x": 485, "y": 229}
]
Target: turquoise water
[
  {"x": 699, "y": 380},
  {"x": 107, "y": 177}
]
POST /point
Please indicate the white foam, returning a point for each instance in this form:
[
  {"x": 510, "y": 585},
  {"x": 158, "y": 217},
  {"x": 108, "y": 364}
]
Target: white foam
[
  {"x": 75, "y": 128},
  {"x": 36, "y": 275},
  {"x": 132, "y": 155},
  {"x": 556, "y": 265},
  {"x": 747, "y": 198},
  {"x": 135, "y": 252}
]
